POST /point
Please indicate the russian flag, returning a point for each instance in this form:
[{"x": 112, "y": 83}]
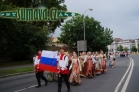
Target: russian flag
[{"x": 48, "y": 61}]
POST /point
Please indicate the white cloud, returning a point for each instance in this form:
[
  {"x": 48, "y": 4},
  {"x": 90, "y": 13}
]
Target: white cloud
[{"x": 121, "y": 16}]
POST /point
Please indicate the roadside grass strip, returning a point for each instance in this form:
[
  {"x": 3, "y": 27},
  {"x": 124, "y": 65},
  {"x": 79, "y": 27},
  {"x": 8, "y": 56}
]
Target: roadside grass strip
[{"x": 5, "y": 73}]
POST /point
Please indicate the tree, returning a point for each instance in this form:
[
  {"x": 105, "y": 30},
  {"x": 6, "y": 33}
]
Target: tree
[
  {"x": 120, "y": 48},
  {"x": 20, "y": 39},
  {"x": 97, "y": 37},
  {"x": 59, "y": 4},
  {"x": 134, "y": 49},
  {"x": 125, "y": 49}
]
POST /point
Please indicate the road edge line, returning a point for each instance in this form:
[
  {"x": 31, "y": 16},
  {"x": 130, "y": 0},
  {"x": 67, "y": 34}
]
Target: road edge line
[
  {"x": 129, "y": 77},
  {"x": 121, "y": 81},
  {"x": 26, "y": 88}
]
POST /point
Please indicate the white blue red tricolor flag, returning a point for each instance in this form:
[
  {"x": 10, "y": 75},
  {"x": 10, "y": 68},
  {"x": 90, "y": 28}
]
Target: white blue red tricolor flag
[{"x": 48, "y": 61}]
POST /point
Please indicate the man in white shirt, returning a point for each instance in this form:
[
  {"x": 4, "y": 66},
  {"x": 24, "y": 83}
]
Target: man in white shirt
[
  {"x": 63, "y": 70},
  {"x": 39, "y": 72}
]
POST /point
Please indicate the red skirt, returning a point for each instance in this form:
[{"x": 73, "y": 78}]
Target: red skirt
[
  {"x": 104, "y": 64},
  {"x": 85, "y": 68}
]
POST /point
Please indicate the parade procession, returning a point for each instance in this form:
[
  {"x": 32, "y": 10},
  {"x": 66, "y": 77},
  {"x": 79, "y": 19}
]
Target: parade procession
[
  {"x": 69, "y": 67},
  {"x": 69, "y": 45}
]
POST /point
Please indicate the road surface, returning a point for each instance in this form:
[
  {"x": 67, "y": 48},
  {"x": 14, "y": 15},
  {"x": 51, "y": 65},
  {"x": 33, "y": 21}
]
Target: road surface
[{"x": 123, "y": 78}]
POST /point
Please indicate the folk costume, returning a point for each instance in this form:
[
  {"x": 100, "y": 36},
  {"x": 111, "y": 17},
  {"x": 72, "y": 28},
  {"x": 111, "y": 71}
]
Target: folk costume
[
  {"x": 69, "y": 63},
  {"x": 98, "y": 64},
  {"x": 112, "y": 60},
  {"x": 84, "y": 70},
  {"x": 103, "y": 62},
  {"x": 94, "y": 64},
  {"x": 63, "y": 71},
  {"x": 93, "y": 55},
  {"x": 39, "y": 72},
  {"x": 75, "y": 68},
  {"x": 90, "y": 66},
  {"x": 82, "y": 59}
]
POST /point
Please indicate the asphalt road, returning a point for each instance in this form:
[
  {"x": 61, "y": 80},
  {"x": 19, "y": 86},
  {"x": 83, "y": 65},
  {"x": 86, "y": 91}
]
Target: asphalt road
[
  {"x": 103, "y": 83},
  {"x": 134, "y": 81}
]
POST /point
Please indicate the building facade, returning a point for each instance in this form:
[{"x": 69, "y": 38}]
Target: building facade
[
  {"x": 55, "y": 42},
  {"x": 129, "y": 43}
]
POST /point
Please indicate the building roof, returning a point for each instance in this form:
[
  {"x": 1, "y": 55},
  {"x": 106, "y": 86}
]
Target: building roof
[
  {"x": 52, "y": 39},
  {"x": 121, "y": 40},
  {"x": 132, "y": 41},
  {"x": 117, "y": 39},
  {"x": 55, "y": 39}
]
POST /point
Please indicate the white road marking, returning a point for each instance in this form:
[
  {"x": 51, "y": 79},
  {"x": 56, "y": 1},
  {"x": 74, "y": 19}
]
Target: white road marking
[
  {"x": 121, "y": 81},
  {"x": 129, "y": 76},
  {"x": 26, "y": 88}
]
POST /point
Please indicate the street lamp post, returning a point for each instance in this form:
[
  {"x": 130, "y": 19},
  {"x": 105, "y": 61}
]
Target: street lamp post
[{"x": 90, "y": 9}]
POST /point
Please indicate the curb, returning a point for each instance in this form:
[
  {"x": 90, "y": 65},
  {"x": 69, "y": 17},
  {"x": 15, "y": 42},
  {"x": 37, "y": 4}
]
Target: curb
[{"x": 16, "y": 74}]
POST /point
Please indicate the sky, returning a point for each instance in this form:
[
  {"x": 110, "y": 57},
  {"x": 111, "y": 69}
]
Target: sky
[{"x": 121, "y": 16}]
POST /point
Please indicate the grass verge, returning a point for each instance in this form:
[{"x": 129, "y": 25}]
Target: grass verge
[
  {"x": 14, "y": 63},
  {"x": 17, "y": 70}
]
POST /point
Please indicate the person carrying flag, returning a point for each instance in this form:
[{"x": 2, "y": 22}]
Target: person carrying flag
[
  {"x": 39, "y": 72},
  {"x": 63, "y": 70}
]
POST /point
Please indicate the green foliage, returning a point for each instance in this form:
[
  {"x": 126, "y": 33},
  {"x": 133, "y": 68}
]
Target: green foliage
[
  {"x": 134, "y": 49},
  {"x": 40, "y": 3},
  {"x": 126, "y": 49},
  {"x": 20, "y": 39},
  {"x": 138, "y": 47},
  {"x": 120, "y": 48},
  {"x": 97, "y": 37}
]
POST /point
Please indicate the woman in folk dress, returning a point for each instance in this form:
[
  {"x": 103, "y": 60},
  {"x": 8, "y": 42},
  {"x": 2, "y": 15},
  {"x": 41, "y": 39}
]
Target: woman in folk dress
[
  {"x": 90, "y": 67},
  {"x": 98, "y": 64},
  {"x": 82, "y": 58},
  {"x": 93, "y": 54},
  {"x": 93, "y": 57},
  {"x": 85, "y": 65},
  {"x": 112, "y": 60},
  {"x": 72, "y": 54},
  {"x": 103, "y": 61},
  {"x": 76, "y": 68},
  {"x": 69, "y": 63}
]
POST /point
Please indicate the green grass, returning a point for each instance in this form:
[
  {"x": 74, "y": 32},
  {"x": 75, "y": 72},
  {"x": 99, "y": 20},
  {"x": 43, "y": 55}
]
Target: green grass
[
  {"x": 17, "y": 70},
  {"x": 14, "y": 63}
]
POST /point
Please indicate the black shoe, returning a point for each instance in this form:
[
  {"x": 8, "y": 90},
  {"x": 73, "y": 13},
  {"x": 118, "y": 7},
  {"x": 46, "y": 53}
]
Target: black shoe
[
  {"x": 69, "y": 90},
  {"x": 38, "y": 86},
  {"x": 59, "y": 90},
  {"x": 46, "y": 83}
]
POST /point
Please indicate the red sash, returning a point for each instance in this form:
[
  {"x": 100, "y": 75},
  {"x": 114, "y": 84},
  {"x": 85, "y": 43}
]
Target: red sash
[
  {"x": 76, "y": 67},
  {"x": 37, "y": 67},
  {"x": 63, "y": 71}
]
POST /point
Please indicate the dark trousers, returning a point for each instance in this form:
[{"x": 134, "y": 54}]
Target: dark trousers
[
  {"x": 93, "y": 70},
  {"x": 39, "y": 76},
  {"x": 65, "y": 77}
]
